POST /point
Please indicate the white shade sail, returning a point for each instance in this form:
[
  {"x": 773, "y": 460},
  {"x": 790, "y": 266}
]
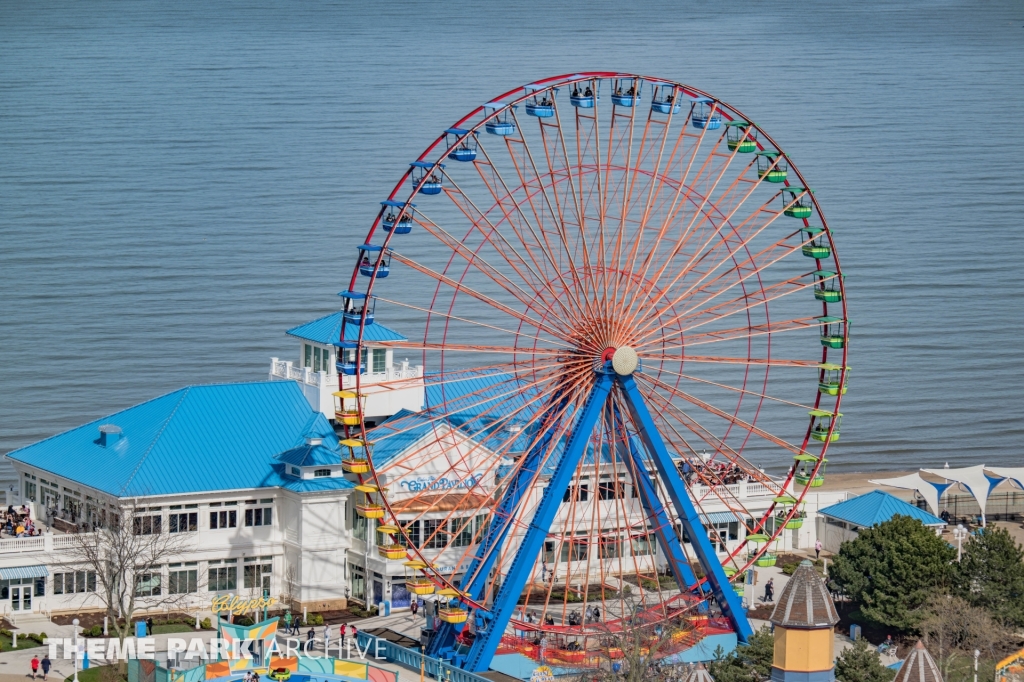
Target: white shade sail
[
  {"x": 977, "y": 482},
  {"x": 1015, "y": 474},
  {"x": 928, "y": 490}
]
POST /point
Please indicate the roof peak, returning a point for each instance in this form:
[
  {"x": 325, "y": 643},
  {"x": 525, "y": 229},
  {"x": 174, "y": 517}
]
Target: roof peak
[{"x": 805, "y": 602}]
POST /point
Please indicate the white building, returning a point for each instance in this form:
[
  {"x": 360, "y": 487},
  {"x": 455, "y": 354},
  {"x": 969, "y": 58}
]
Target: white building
[{"x": 251, "y": 476}]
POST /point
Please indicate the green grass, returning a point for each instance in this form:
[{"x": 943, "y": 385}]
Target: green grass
[
  {"x": 23, "y": 643},
  {"x": 159, "y": 629},
  {"x": 94, "y": 674}
]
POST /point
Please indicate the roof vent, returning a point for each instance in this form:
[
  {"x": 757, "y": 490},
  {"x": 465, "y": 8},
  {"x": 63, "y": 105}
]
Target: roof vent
[
  {"x": 109, "y": 435},
  {"x": 314, "y": 440}
]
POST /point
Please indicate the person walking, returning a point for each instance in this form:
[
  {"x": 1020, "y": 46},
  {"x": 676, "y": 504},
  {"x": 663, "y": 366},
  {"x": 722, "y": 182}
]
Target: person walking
[
  {"x": 35, "y": 666},
  {"x": 310, "y": 636},
  {"x": 149, "y": 626},
  {"x": 45, "y": 665},
  {"x": 817, "y": 549},
  {"x": 769, "y": 590},
  {"x": 288, "y": 621},
  {"x": 327, "y": 638},
  {"x": 414, "y": 606}
]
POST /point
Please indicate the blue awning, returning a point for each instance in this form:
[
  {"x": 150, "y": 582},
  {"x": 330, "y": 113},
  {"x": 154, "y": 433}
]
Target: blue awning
[
  {"x": 719, "y": 517},
  {"x": 19, "y": 572}
]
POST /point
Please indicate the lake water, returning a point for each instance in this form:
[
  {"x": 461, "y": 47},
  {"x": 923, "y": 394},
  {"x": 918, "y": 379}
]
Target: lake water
[{"x": 180, "y": 183}]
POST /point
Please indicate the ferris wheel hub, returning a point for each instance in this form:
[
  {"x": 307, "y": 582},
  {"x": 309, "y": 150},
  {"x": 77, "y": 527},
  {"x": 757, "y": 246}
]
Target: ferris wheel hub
[{"x": 625, "y": 361}]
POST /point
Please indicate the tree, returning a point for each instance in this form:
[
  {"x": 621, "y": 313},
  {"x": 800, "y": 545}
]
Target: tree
[
  {"x": 891, "y": 569},
  {"x": 860, "y": 663},
  {"x": 126, "y": 555},
  {"x": 750, "y": 662},
  {"x": 953, "y": 629},
  {"x": 991, "y": 575}
]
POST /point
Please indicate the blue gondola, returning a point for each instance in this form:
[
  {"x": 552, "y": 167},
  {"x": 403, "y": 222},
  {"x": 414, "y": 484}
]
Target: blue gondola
[
  {"x": 398, "y": 217},
  {"x": 502, "y": 122},
  {"x": 626, "y": 91},
  {"x": 426, "y": 179},
  {"x": 542, "y": 104},
  {"x": 356, "y": 306},
  {"x": 665, "y": 99},
  {"x": 462, "y": 145},
  {"x": 372, "y": 259},
  {"x": 703, "y": 118},
  {"x": 346, "y": 363},
  {"x": 583, "y": 95}
]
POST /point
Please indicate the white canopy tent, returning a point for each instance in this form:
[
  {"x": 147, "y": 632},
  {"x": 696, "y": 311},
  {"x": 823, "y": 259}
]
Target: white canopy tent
[
  {"x": 931, "y": 492},
  {"x": 1015, "y": 474},
  {"x": 977, "y": 482}
]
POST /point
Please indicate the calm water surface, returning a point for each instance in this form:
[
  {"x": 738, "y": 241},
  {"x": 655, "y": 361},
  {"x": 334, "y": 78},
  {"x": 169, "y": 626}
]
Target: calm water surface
[{"x": 180, "y": 184}]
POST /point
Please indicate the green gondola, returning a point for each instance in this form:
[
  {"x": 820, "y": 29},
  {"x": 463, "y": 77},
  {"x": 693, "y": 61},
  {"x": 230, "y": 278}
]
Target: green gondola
[
  {"x": 833, "y": 331},
  {"x": 825, "y": 425},
  {"x": 827, "y": 287},
  {"x": 772, "y": 167},
  {"x": 817, "y": 245},
  {"x": 797, "y": 205},
  {"x": 741, "y": 137},
  {"x": 805, "y": 465},
  {"x": 831, "y": 381}
]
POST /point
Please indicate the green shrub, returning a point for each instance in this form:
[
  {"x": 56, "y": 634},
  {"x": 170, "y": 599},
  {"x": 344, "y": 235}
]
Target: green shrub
[
  {"x": 244, "y": 621},
  {"x": 206, "y": 624},
  {"x": 314, "y": 619}
]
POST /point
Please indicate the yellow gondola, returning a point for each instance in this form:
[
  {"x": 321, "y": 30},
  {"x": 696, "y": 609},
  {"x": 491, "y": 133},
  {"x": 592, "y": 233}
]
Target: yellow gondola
[
  {"x": 346, "y": 407},
  {"x": 355, "y": 463},
  {"x": 414, "y": 583},
  {"x": 369, "y": 509}
]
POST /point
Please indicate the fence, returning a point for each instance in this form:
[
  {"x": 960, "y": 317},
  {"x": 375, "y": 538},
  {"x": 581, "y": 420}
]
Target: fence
[{"x": 407, "y": 658}]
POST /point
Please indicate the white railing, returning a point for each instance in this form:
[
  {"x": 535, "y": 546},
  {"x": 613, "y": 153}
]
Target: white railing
[
  {"x": 285, "y": 369},
  {"x": 16, "y": 545},
  {"x": 738, "y": 490}
]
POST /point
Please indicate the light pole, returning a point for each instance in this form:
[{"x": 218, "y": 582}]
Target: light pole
[
  {"x": 959, "y": 533},
  {"x": 75, "y": 624},
  {"x": 976, "y": 655}
]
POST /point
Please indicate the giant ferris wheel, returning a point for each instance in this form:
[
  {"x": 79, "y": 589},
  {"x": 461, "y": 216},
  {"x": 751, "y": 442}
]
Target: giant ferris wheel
[{"x": 629, "y": 296}]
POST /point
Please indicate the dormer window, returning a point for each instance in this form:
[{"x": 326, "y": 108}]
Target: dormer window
[
  {"x": 321, "y": 473},
  {"x": 296, "y": 471}
]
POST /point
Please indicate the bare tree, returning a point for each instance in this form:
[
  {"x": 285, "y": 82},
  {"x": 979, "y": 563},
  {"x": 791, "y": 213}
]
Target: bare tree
[
  {"x": 953, "y": 629},
  {"x": 127, "y": 555}
]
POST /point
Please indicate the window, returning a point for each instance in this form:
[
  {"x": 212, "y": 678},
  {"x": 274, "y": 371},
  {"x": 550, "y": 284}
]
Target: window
[
  {"x": 579, "y": 493},
  {"x": 224, "y": 519},
  {"x": 74, "y": 581},
  {"x": 182, "y": 580},
  {"x": 296, "y": 471},
  {"x": 611, "y": 548},
  {"x": 260, "y": 516},
  {"x": 327, "y": 360},
  {"x": 316, "y": 359},
  {"x": 643, "y": 545},
  {"x": 30, "y": 491},
  {"x": 461, "y": 532},
  {"x": 308, "y": 360},
  {"x": 412, "y": 529},
  {"x": 357, "y": 580},
  {"x": 322, "y": 473},
  {"x": 147, "y": 584},
  {"x": 39, "y": 583},
  {"x": 147, "y": 525},
  {"x": 610, "y": 490},
  {"x": 358, "y": 526},
  {"x": 481, "y": 527},
  {"x": 380, "y": 357},
  {"x": 223, "y": 577},
  {"x": 255, "y": 570},
  {"x": 184, "y": 522}
]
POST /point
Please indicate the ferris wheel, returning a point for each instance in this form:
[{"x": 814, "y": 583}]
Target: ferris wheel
[{"x": 630, "y": 299}]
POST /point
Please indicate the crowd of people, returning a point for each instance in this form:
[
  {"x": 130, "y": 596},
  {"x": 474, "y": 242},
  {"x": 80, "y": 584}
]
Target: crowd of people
[
  {"x": 18, "y": 523},
  {"x": 714, "y": 473}
]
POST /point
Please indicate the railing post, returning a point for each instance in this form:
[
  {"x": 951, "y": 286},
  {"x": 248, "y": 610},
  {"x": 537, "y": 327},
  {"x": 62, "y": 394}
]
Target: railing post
[
  {"x": 273, "y": 367},
  {"x": 743, "y": 488},
  {"x": 48, "y": 541}
]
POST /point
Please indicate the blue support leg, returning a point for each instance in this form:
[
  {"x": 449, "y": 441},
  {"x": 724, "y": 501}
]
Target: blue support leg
[
  {"x": 724, "y": 594},
  {"x": 658, "y": 516},
  {"x": 479, "y": 657},
  {"x": 479, "y": 570}
]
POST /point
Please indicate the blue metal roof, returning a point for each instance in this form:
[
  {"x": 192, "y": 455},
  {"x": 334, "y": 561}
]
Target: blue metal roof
[
  {"x": 875, "y": 507},
  {"x": 196, "y": 439},
  {"x": 327, "y": 329}
]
